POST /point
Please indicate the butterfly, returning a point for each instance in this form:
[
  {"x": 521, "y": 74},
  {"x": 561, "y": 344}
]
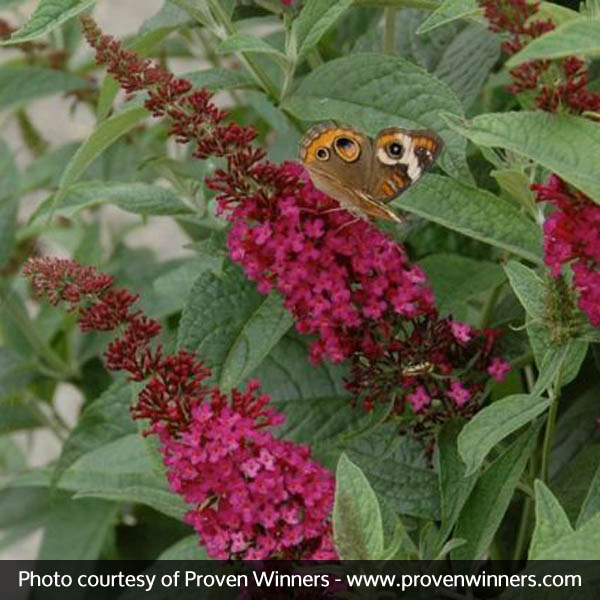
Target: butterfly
[{"x": 364, "y": 174}]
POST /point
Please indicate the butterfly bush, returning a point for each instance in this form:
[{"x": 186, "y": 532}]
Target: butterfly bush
[
  {"x": 252, "y": 495},
  {"x": 571, "y": 232},
  {"x": 343, "y": 280}
]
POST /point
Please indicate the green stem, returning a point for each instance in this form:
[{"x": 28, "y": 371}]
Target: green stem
[
  {"x": 222, "y": 18},
  {"x": 389, "y": 35},
  {"x": 42, "y": 349},
  {"x": 523, "y": 527},
  {"x": 490, "y": 305},
  {"x": 548, "y": 438}
]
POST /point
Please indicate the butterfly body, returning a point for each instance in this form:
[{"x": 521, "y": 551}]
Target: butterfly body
[{"x": 364, "y": 174}]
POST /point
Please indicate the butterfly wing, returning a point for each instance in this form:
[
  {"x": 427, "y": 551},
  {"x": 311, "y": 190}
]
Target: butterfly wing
[
  {"x": 338, "y": 159},
  {"x": 400, "y": 158}
]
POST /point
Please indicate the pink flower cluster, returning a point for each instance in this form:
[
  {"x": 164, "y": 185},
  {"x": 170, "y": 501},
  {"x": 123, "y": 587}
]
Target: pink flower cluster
[
  {"x": 572, "y": 235},
  {"x": 252, "y": 495},
  {"x": 336, "y": 273},
  {"x": 257, "y": 497}
]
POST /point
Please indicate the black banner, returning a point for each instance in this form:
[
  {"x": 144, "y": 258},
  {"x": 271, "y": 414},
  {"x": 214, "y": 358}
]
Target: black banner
[{"x": 180, "y": 580}]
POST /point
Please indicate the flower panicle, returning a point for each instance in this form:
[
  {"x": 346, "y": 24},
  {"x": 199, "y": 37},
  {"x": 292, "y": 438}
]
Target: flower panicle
[
  {"x": 252, "y": 495},
  {"x": 572, "y": 236},
  {"x": 192, "y": 114},
  {"x": 560, "y": 85}
]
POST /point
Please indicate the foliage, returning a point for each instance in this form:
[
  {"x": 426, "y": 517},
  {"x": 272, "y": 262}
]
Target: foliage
[{"x": 387, "y": 348}]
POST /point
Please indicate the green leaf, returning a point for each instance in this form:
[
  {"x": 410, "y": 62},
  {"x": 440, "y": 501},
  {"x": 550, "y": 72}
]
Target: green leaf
[
  {"x": 495, "y": 422},
  {"x": 12, "y": 458},
  {"x": 562, "y": 362},
  {"x": 9, "y": 205},
  {"x": 374, "y": 91},
  {"x": 104, "y": 420},
  {"x": 243, "y": 42},
  {"x": 313, "y": 398},
  {"x": 45, "y": 172},
  {"x": 169, "y": 15},
  {"x": 122, "y": 470},
  {"x": 467, "y": 62},
  {"x": 101, "y": 138},
  {"x": 76, "y": 529},
  {"x": 528, "y": 287},
  {"x": 455, "y": 487},
  {"x": 357, "y": 522},
  {"x": 231, "y": 325},
  {"x": 591, "y": 505},
  {"x": 475, "y": 213},
  {"x": 541, "y": 137},
  {"x": 397, "y": 469},
  {"x": 217, "y": 79},
  {"x": 316, "y": 17},
  {"x": 15, "y": 372},
  {"x": 483, "y": 511},
  {"x": 582, "y": 544},
  {"x": 455, "y": 279},
  {"x": 186, "y": 549},
  {"x": 448, "y": 11},
  {"x": 137, "y": 198},
  {"x": 551, "y": 522},
  {"x": 578, "y": 37},
  {"x": 20, "y": 84},
  {"x": 47, "y": 16}
]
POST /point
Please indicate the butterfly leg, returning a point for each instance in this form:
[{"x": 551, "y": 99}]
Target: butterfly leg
[{"x": 347, "y": 223}]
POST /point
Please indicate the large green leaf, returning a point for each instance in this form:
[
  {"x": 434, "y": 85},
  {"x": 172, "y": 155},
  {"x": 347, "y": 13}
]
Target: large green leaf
[
  {"x": 397, "y": 469},
  {"x": 467, "y": 61},
  {"x": 455, "y": 279},
  {"x": 473, "y": 212},
  {"x": 76, "y": 529},
  {"x": 104, "y": 420},
  {"x": 551, "y": 522},
  {"x": 455, "y": 487},
  {"x": 137, "y": 198},
  {"x": 317, "y": 409},
  {"x": 448, "y": 11},
  {"x": 231, "y": 325},
  {"x": 373, "y": 91},
  {"x": 123, "y": 470},
  {"x": 316, "y": 17},
  {"x": 564, "y": 144},
  {"x": 577, "y": 37},
  {"x": 483, "y": 511},
  {"x": 357, "y": 522},
  {"x": 494, "y": 423},
  {"x": 23, "y": 83},
  {"x": 48, "y": 15}
]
